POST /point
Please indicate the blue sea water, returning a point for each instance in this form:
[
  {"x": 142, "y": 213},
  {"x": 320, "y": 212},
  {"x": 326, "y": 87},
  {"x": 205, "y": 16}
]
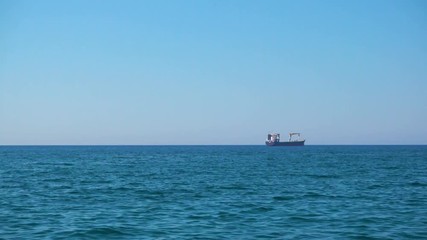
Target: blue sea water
[{"x": 213, "y": 192}]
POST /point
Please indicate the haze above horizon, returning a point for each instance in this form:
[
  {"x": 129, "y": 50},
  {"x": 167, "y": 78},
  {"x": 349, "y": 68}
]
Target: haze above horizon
[{"x": 212, "y": 72}]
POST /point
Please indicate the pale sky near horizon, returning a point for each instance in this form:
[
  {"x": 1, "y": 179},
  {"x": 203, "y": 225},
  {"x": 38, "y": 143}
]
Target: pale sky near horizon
[{"x": 212, "y": 72}]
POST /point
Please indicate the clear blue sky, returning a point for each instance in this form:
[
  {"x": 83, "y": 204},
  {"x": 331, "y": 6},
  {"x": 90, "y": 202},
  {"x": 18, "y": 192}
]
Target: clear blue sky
[{"x": 212, "y": 72}]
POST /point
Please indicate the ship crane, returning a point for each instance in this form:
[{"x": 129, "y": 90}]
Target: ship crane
[{"x": 292, "y": 134}]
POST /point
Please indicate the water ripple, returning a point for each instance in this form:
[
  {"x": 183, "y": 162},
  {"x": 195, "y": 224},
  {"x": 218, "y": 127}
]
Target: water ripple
[{"x": 213, "y": 192}]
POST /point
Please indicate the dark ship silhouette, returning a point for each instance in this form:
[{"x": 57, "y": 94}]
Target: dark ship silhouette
[{"x": 273, "y": 139}]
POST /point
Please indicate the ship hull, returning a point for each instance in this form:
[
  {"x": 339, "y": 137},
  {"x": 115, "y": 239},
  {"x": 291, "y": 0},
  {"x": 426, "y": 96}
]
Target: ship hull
[{"x": 285, "y": 144}]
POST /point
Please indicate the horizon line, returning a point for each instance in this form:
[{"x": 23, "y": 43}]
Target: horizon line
[{"x": 171, "y": 145}]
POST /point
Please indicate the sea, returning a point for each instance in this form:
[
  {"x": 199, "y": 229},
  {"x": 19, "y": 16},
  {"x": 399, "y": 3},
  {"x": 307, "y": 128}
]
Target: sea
[{"x": 213, "y": 192}]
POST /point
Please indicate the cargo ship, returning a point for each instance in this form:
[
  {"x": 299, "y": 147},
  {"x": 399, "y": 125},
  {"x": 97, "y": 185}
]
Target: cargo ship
[{"x": 273, "y": 139}]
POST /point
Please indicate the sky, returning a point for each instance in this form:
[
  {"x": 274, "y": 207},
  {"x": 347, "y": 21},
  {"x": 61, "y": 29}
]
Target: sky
[{"x": 212, "y": 71}]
